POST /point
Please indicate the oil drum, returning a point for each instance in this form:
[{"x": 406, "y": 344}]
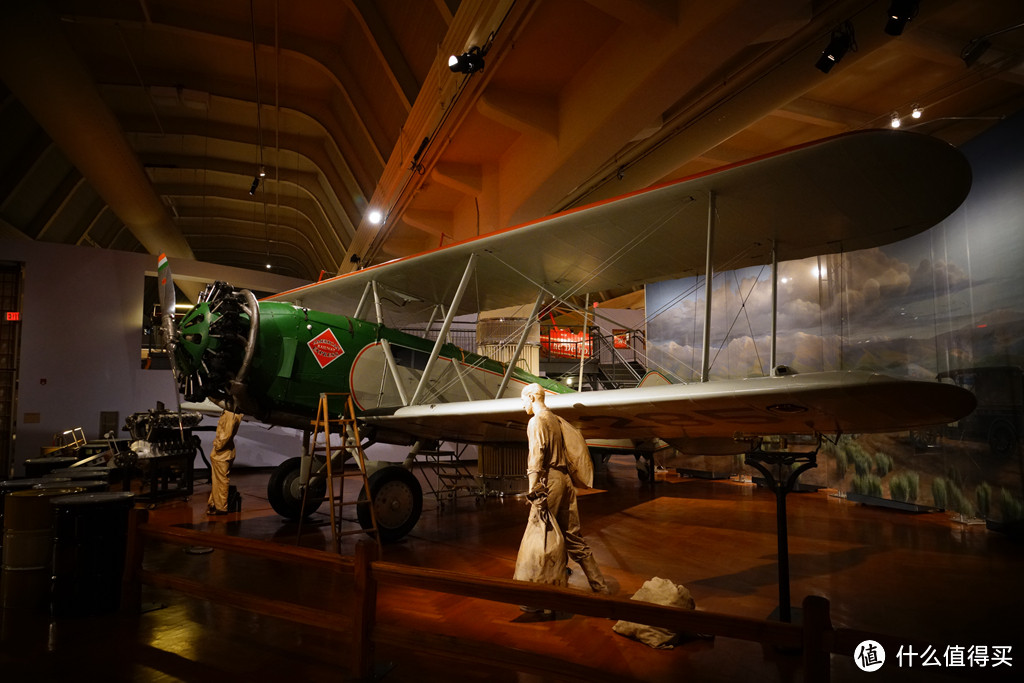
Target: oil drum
[
  {"x": 37, "y": 467},
  {"x": 28, "y": 532},
  {"x": 8, "y": 486},
  {"x": 75, "y": 473},
  {"x": 90, "y": 535},
  {"x": 87, "y": 485}
]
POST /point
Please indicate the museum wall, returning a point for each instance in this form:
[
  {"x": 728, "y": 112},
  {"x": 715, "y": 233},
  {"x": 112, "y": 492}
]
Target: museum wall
[
  {"x": 949, "y": 300},
  {"x": 81, "y": 334}
]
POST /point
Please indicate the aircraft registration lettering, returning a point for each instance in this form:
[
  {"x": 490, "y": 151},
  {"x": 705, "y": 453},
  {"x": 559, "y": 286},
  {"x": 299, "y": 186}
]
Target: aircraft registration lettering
[{"x": 325, "y": 348}]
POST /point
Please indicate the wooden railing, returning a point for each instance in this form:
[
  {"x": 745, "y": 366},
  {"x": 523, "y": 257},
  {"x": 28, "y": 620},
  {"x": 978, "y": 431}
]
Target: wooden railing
[{"x": 816, "y": 639}]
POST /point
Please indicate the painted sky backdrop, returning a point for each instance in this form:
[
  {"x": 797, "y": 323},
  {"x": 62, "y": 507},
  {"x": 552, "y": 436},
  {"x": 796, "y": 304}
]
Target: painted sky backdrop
[{"x": 950, "y": 297}]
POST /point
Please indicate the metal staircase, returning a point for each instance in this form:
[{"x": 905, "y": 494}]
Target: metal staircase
[
  {"x": 621, "y": 375},
  {"x": 451, "y": 475}
]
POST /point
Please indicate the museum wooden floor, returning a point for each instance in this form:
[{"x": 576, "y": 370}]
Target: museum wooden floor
[{"x": 920, "y": 576}]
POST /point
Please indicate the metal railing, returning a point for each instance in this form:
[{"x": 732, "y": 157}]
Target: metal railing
[{"x": 617, "y": 358}]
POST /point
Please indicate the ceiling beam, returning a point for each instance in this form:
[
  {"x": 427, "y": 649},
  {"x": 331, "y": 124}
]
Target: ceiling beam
[
  {"x": 52, "y": 82},
  {"x": 387, "y": 50}
]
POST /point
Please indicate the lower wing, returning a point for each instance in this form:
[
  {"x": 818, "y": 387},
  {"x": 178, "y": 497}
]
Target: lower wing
[{"x": 810, "y": 403}]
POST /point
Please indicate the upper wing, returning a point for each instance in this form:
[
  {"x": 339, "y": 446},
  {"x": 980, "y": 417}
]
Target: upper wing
[
  {"x": 822, "y": 402},
  {"x": 849, "y": 192}
]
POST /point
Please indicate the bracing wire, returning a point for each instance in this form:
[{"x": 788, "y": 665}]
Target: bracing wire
[{"x": 742, "y": 310}]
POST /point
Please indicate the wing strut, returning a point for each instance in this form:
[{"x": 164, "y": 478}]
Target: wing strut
[
  {"x": 706, "y": 352},
  {"x": 519, "y": 346},
  {"x": 376, "y": 303},
  {"x": 362, "y": 300},
  {"x": 385, "y": 345},
  {"x": 433, "y": 316},
  {"x": 443, "y": 332},
  {"x": 456, "y": 364},
  {"x": 582, "y": 350}
]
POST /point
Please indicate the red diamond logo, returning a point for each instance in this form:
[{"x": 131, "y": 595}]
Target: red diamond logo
[{"x": 325, "y": 348}]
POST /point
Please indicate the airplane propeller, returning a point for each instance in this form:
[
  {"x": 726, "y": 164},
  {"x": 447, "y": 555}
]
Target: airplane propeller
[
  {"x": 167, "y": 304},
  {"x": 211, "y": 350},
  {"x": 215, "y": 344}
]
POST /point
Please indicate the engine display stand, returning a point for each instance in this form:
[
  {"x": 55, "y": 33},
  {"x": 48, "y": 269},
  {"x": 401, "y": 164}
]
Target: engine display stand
[{"x": 781, "y": 470}]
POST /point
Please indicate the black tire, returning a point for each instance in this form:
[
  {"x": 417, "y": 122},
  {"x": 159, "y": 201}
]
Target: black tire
[
  {"x": 397, "y": 503},
  {"x": 285, "y": 492}
]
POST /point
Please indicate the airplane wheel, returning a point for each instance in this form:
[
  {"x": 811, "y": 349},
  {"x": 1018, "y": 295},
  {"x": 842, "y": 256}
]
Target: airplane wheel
[
  {"x": 284, "y": 491},
  {"x": 397, "y": 502}
]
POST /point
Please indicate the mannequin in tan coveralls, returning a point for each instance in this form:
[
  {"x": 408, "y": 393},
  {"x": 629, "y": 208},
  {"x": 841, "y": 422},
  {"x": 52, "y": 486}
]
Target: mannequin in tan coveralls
[
  {"x": 550, "y": 485},
  {"x": 221, "y": 457}
]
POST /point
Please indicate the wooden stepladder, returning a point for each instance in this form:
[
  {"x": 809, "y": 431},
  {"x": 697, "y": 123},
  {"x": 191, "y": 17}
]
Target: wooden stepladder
[{"x": 348, "y": 427}]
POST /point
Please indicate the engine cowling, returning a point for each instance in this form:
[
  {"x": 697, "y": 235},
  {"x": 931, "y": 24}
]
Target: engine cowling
[{"x": 215, "y": 344}]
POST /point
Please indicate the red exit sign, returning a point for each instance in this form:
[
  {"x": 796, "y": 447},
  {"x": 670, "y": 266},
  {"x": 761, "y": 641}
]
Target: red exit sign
[{"x": 13, "y": 316}]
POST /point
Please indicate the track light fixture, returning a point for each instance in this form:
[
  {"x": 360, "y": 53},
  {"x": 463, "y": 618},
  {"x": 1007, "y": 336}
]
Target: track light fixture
[
  {"x": 916, "y": 112},
  {"x": 894, "y": 121},
  {"x": 841, "y": 42},
  {"x": 977, "y": 46},
  {"x": 973, "y": 50},
  {"x": 900, "y": 12},
  {"x": 468, "y": 62}
]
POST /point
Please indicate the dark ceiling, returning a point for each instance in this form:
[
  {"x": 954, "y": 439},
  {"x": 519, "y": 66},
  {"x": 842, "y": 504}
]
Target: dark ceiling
[{"x": 140, "y": 125}]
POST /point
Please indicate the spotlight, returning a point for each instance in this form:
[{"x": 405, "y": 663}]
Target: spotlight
[
  {"x": 263, "y": 171},
  {"x": 916, "y": 113},
  {"x": 255, "y": 184},
  {"x": 268, "y": 266},
  {"x": 468, "y": 62},
  {"x": 839, "y": 44},
  {"x": 895, "y": 120},
  {"x": 375, "y": 217},
  {"x": 900, "y": 12}
]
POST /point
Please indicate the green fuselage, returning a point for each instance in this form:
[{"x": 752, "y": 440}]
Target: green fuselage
[{"x": 300, "y": 353}]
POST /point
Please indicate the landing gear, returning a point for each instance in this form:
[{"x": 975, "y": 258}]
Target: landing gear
[
  {"x": 397, "y": 502},
  {"x": 396, "y": 493},
  {"x": 284, "y": 491}
]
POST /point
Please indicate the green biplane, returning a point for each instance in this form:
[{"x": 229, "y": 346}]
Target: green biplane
[{"x": 272, "y": 359}]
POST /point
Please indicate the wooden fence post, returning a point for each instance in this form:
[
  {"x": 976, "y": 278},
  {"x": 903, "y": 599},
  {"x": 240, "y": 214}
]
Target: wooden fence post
[
  {"x": 818, "y": 633},
  {"x": 365, "y": 612}
]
